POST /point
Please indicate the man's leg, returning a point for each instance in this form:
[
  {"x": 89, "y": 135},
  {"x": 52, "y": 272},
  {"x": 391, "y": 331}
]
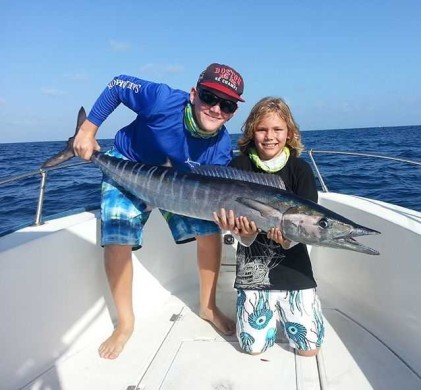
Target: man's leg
[
  {"x": 119, "y": 269},
  {"x": 123, "y": 217},
  {"x": 209, "y": 250}
]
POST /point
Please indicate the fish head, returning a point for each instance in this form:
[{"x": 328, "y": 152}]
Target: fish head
[{"x": 319, "y": 226}]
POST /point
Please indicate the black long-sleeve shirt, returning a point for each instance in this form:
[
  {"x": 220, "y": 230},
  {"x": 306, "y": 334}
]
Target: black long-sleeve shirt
[{"x": 265, "y": 264}]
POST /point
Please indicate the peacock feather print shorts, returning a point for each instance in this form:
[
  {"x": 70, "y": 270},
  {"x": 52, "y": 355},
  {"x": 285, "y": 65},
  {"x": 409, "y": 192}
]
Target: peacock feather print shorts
[{"x": 298, "y": 313}]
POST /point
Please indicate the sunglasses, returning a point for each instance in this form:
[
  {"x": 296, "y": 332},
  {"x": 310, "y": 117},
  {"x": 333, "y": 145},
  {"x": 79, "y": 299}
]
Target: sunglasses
[{"x": 226, "y": 106}]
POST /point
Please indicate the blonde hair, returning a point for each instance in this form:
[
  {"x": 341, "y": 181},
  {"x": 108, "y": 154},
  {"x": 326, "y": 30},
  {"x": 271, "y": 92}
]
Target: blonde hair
[{"x": 263, "y": 107}]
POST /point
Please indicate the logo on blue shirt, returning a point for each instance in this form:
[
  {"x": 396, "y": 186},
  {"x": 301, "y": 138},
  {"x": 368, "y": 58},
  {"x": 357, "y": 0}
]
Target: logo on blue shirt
[{"x": 191, "y": 163}]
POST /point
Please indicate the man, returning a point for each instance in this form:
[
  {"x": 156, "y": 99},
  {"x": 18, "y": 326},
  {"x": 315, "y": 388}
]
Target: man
[{"x": 186, "y": 129}]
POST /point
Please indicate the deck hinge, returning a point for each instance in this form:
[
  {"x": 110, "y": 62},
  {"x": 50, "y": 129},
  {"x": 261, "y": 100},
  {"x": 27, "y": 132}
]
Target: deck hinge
[
  {"x": 175, "y": 317},
  {"x": 229, "y": 239}
]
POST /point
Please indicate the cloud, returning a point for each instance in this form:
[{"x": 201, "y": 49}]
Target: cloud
[
  {"x": 347, "y": 108},
  {"x": 52, "y": 91},
  {"x": 173, "y": 68},
  {"x": 148, "y": 68},
  {"x": 119, "y": 45},
  {"x": 27, "y": 121},
  {"x": 161, "y": 70},
  {"x": 82, "y": 76}
]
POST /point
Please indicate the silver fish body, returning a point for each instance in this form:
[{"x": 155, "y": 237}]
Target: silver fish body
[{"x": 197, "y": 194}]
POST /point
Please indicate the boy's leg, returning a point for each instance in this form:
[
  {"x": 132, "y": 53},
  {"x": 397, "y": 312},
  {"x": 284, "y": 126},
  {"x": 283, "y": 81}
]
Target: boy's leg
[
  {"x": 256, "y": 320},
  {"x": 119, "y": 269},
  {"x": 209, "y": 244},
  {"x": 302, "y": 320},
  {"x": 209, "y": 250}
]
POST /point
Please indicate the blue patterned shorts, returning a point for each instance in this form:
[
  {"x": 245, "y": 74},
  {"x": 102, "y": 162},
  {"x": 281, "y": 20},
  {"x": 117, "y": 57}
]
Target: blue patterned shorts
[
  {"x": 123, "y": 217},
  {"x": 299, "y": 313}
]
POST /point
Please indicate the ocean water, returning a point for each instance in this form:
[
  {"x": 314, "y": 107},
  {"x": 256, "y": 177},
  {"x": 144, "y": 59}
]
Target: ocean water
[{"x": 78, "y": 188}]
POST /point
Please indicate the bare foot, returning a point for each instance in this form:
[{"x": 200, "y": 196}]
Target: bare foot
[
  {"x": 114, "y": 345},
  {"x": 221, "y": 322}
]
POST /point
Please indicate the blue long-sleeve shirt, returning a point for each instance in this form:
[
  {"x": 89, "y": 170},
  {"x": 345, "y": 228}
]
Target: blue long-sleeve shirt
[{"x": 158, "y": 133}]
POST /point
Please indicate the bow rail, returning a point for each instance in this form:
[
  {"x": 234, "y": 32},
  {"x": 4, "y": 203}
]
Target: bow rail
[{"x": 42, "y": 187}]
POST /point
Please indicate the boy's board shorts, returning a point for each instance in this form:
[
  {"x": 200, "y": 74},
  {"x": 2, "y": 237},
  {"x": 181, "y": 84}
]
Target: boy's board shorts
[
  {"x": 123, "y": 217},
  {"x": 298, "y": 312}
]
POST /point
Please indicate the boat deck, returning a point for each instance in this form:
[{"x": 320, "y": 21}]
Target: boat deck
[{"x": 172, "y": 348}]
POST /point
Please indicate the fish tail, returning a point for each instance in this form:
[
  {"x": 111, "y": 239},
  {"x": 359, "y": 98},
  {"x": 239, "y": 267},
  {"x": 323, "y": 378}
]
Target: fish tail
[{"x": 67, "y": 153}]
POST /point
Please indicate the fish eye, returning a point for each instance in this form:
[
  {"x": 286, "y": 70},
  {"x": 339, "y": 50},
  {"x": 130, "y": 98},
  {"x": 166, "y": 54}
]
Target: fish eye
[{"x": 324, "y": 223}]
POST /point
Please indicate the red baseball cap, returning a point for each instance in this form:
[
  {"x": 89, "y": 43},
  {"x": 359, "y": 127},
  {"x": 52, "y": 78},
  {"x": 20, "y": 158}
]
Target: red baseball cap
[{"x": 224, "y": 79}]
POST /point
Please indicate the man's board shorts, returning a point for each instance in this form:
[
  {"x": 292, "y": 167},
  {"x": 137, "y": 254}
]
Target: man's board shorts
[
  {"x": 123, "y": 217},
  {"x": 298, "y": 312}
]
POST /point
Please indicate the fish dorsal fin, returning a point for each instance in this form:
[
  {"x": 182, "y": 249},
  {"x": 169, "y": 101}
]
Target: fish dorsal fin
[{"x": 238, "y": 174}]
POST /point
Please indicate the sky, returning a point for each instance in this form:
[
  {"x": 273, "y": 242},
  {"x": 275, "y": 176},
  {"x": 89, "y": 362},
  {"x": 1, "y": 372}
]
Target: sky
[{"x": 338, "y": 64}]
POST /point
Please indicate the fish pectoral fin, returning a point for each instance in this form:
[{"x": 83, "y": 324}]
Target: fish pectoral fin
[
  {"x": 262, "y": 208},
  {"x": 167, "y": 163}
]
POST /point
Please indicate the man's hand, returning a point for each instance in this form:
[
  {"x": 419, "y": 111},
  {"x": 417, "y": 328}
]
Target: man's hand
[{"x": 85, "y": 143}]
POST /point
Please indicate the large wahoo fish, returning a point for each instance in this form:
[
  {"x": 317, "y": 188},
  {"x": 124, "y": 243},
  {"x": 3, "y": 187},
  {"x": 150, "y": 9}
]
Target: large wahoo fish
[{"x": 206, "y": 189}]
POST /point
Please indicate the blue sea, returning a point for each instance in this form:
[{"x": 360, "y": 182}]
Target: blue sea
[{"x": 78, "y": 188}]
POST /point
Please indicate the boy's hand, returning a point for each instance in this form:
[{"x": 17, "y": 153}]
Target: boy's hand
[
  {"x": 275, "y": 234},
  {"x": 240, "y": 226}
]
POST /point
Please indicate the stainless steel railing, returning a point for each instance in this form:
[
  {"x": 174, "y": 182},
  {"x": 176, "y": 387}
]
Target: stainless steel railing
[
  {"x": 43, "y": 183},
  {"x": 43, "y": 173},
  {"x": 359, "y": 154}
]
